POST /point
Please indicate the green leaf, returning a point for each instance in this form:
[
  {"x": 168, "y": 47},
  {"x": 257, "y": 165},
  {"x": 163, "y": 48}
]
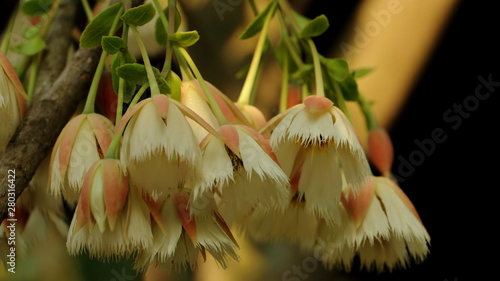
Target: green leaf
[
  {"x": 163, "y": 85},
  {"x": 118, "y": 60},
  {"x": 301, "y": 20},
  {"x": 30, "y": 47},
  {"x": 303, "y": 71},
  {"x": 338, "y": 69},
  {"x": 184, "y": 39},
  {"x": 361, "y": 72},
  {"x": 99, "y": 27},
  {"x": 133, "y": 72},
  {"x": 256, "y": 25},
  {"x": 112, "y": 44},
  {"x": 36, "y": 7},
  {"x": 136, "y": 73},
  {"x": 140, "y": 15},
  {"x": 31, "y": 32},
  {"x": 349, "y": 88},
  {"x": 175, "y": 83},
  {"x": 160, "y": 31},
  {"x": 315, "y": 27}
]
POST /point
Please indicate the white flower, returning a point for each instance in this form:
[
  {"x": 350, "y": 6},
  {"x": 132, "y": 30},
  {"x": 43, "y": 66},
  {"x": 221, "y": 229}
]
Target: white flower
[
  {"x": 380, "y": 224},
  {"x": 130, "y": 233},
  {"x": 183, "y": 230},
  {"x": 12, "y": 101},
  {"x": 244, "y": 172},
  {"x": 159, "y": 148},
  {"x": 83, "y": 141},
  {"x": 316, "y": 140}
]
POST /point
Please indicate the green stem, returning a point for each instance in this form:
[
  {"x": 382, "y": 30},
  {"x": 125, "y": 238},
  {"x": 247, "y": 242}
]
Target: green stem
[
  {"x": 32, "y": 77},
  {"x": 305, "y": 91},
  {"x": 284, "y": 86},
  {"x": 366, "y": 108},
  {"x": 155, "y": 90},
  {"x": 286, "y": 8},
  {"x": 246, "y": 91},
  {"x": 185, "y": 70},
  {"x": 119, "y": 106},
  {"x": 138, "y": 95},
  {"x": 211, "y": 101},
  {"x": 50, "y": 16},
  {"x": 168, "y": 26},
  {"x": 88, "y": 10},
  {"x": 318, "y": 74},
  {"x": 284, "y": 36},
  {"x": 114, "y": 148},
  {"x": 341, "y": 101},
  {"x": 8, "y": 32},
  {"x": 90, "y": 102}
]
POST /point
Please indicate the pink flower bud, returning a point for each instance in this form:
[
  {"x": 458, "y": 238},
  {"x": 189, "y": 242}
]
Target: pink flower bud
[{"x": 380, "y": 150}]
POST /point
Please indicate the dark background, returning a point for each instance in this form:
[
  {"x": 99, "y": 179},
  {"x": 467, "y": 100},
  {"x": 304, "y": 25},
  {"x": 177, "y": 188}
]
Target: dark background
[{"x": 455, "y": 187}]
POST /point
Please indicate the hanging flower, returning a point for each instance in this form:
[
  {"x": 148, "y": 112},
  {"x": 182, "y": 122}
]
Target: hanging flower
[
  {"x": 380, "y": 224},
  {"x": 243, "y": 169},
  {"x": 111, "y": 219},
  {"x": 316, "y": 140},
  {"x": 184, "y": 229},
  {"x": 83, "y": 141},
  {"x": 159, "y": 148},
  {"x": 12, "y": 101}
]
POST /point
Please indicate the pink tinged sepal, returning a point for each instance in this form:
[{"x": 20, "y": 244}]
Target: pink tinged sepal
[
  {"x": 317, "y": 103},
  {"x": 403, "y": 197},
  {"x": 116, "y": 187},
  {"x": 154, "y": 209},
  {"x": 253, "y": 115},
  {"x": 68, "y": 138},
  {"x": 181, "y": 201},
  {"x": 126, "y": 117},
  {"x": 380, "y": 150},
  {"x": 232, "y": 139},
  {"x": 222, "y": 223},
  {"x": 21, "y": 95},
  {"x": 102, "y": 128},
  {"x": 84, "y": 203},
  {"x": 358, "y": 204}
]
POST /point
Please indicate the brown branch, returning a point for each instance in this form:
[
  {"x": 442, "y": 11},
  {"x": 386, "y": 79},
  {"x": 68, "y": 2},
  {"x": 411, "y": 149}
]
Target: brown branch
[
  {"x": 43, "y": 123},
  {"x": 55, "y": 54}
]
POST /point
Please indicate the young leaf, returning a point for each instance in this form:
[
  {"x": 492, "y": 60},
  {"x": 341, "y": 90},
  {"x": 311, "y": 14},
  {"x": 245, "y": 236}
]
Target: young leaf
[
  {"x": 112, "y": 44},
  {"x": 184, "y": 39},
  {"x": 140, "y": 15},
  {"x": 133, "y": 72},
  {"x": 163, "y": 85},
  {"x": 303, "y": 71},
  {"x": 361, "y": 72},
  {"x": 36, "y": 7},
  {"x": 175, "y": 82},
  {"x": 99, "y": 27},
  {"x": 349, "y": 88},
  {"x": 256, "y": 25},
  {"x": 338, "y": 69},
  {"x": 161, "y": 32},
  {"x": 30, "y": 47},
  {"x": 31, "y": 32},
  {"x": 301, "y": 20},
  {"x": 118, "y": 60},
  {"x": 315, "y": 27}
]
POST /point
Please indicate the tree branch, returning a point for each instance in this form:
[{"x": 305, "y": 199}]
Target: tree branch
[
  {"x": 55, "y": 53},
  {"x": 44, "y": 121}
]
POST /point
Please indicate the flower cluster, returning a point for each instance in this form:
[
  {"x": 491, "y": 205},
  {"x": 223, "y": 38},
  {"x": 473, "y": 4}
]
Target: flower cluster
[{"x": 171, "y": 177}]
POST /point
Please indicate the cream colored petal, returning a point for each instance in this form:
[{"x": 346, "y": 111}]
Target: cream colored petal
[
  {"x": 312, "y": 128},
  {"x": 321, "y": 183},
  {"x": 83, "y": 155}
]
